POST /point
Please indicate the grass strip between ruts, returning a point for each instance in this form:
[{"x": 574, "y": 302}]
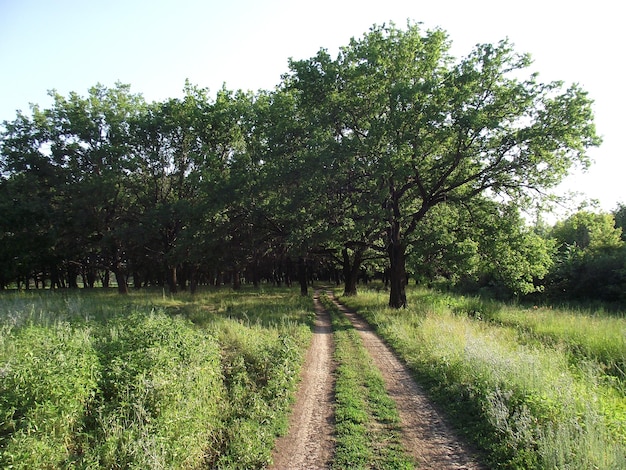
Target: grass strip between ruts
[{"x": 367, "y": 421}]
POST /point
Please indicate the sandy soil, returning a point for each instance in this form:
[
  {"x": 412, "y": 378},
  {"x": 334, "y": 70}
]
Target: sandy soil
[{"x": 309, "y": 443}]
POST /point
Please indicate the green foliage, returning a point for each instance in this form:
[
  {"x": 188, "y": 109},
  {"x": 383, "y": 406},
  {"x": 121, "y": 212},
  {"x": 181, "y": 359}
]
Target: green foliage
[
  {"x": 413, "y": 128},
  {"x": 527, "y": 402},
  {"x": 591, "y": 262},
  {"x": 161, "y": 393},
  {"x": 49, "y": 379},
  {"x": 96, "y": 380},
  {"x": 588, "y": 231},
  {"x": 515, "y": 259},
  {"x": 347, "y": 153},
  {"x": 620, "y": 219},
  {"x": 481, "y": 245},
  {"x": 260, "y": 368}
]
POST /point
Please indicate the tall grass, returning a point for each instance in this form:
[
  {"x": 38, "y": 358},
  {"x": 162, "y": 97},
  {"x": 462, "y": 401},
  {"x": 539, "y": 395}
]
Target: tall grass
[
  {"x": 93, "y": 379},
  {"x": 585, "y": 334},
  {"x": 48, "y": 377},
  {"x": 526, "y": 403}
]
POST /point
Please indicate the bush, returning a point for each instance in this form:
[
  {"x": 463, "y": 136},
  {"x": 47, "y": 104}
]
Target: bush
[
  {"x": 49, "y": 377},
  {"x": 93, "y": 380},
  {"x": 161, "y": 393},
  {"x": 261, "y": 368}
]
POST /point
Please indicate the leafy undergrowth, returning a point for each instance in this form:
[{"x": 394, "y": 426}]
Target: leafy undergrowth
[
  {"x": 90, "y": 380},
  {"x": 367, "y": 421},
  {"x": 527, "y": 404}
]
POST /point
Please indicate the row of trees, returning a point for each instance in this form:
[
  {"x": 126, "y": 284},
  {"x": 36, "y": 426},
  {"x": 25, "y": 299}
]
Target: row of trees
[{"x": 393, "y": 153}]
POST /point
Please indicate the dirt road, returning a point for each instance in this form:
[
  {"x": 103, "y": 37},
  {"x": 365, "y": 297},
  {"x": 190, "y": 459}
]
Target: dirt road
[
  {"x": 426, "y": 436},
  {"x": 309, "y": 443}
]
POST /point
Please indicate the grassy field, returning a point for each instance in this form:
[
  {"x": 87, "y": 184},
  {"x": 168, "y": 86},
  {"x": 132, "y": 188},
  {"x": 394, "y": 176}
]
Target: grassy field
[
  {"x": 92, "y": 379},
  {"x": 97, "y": 380},
  {"x": 533, "y": 388}
]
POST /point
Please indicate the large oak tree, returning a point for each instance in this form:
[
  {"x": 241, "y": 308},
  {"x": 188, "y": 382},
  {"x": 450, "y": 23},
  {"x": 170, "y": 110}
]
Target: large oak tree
[{"x": 428, "y": 129}]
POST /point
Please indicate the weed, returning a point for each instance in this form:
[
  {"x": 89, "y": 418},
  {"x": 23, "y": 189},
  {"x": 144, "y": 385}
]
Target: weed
[
  {"x": 90, "y": 379},
  {"x": 49, "y": 376}
]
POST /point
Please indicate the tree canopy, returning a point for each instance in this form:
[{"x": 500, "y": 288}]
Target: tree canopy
[
  {"x": 345, "y": 163},
  {"x": 421, "y": 129}
]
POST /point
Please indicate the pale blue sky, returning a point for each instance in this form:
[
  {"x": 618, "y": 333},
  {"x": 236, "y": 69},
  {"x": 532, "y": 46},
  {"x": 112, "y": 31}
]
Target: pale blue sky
[{"x": 154, "y": 45}]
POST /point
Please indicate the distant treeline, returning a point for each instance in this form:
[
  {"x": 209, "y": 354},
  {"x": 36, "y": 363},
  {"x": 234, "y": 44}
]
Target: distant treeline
[{"x": 392, "y": 160}]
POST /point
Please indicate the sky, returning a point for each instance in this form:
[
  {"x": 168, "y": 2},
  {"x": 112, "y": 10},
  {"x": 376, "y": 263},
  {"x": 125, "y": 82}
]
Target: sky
[{"x": 155, "y": 45}]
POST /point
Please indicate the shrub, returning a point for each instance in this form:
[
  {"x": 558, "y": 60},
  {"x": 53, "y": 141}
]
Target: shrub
[
  {"x": 260, "y": 368},
  {"x": 49, "y": 376},
  {"x": 161, "y": 393}
]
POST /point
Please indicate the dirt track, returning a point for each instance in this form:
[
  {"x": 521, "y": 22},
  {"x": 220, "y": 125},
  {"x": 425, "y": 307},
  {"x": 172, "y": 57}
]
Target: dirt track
[{"x": 309, "y": 443}]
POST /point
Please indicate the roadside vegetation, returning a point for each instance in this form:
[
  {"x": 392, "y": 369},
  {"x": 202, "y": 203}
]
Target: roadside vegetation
[
  {"x": 92, "y": 380},
  {"x": 530, "y": 393}
]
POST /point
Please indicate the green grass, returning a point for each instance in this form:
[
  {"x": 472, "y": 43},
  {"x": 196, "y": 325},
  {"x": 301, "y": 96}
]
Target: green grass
[
  {"x": 524, "y": 401},
  {"x": 91, "y": 379},
  {"x": 367, "y": 421},
  {"x": 584, "y": 333}
]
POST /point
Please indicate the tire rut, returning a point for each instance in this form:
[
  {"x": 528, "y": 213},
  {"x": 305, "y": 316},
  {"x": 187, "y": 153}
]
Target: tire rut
[
  {"x": 426, "y": 436},
  {"x": 309, "y": 444}
]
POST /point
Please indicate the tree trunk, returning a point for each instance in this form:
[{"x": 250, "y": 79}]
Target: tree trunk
[
  {"x": 254, "y": 268},
  {"x": 172, "y": 281},
  {"x": 288, "y": 273},
  {"x": 396, "y": 250},
  {"x": 302, "y": 277},
  {"x": 183, "y": 277},
  {"x": 193, "y": 279},
  {"x": 72, "y": 275},
  {"x": 91, "y": 277},
  {"x": 122, "y": 285},
  {"x": 236, "y": 279},
  {"x": 54, "y": 278},
  {"x": 397, "y": 275},
  {"x": 136, "y": 280},
  {"x": 351, "y": 270}
]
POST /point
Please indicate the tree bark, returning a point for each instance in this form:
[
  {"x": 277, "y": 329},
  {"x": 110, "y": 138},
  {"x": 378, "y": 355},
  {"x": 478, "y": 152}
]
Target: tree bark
[
  {"x": 302, "y": 277},
  {"x": 236, "y": 279},
  {"x": 396, "y": 249},
  {"x": 91, "y": 276},
  {"x": 55, "y": 283},
  {"x": 193, "y": 279},
  {"x": 122, "y": 285},
  {"x": 397, "y": 275},
  {"x": 172, "y": 280},
  {"x": 72, "y": 275},
  {"x": 136, "y": 280},
  {"x": 254, "y": 271},
  {"x": 351, "y": 271}
]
